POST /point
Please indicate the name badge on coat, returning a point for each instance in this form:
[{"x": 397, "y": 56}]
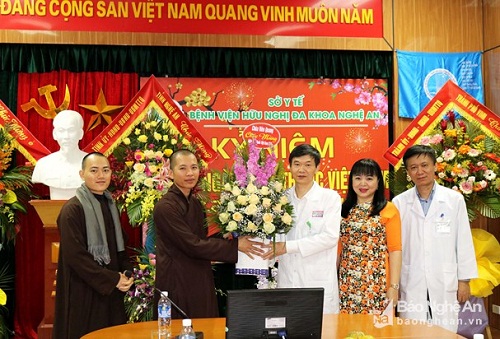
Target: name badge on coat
[
  {"x": 442, "y": 225},
  {"x": 317, "y": 214}
]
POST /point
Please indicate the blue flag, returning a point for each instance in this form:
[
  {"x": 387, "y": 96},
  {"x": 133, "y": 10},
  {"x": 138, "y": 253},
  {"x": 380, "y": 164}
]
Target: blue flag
[{"x": 421, "y": 76}]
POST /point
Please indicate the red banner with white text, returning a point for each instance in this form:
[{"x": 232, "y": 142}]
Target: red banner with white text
[
  {"x": 335, "y": 18},
  {"x": 449, "y": 97},
  {"x": 345, "y": 119}
]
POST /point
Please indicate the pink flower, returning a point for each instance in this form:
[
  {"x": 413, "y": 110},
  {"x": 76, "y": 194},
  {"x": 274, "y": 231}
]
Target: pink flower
[
  {"x": 364, "y": 98},
  {"x": 466, "y": 187},
  {"x": 436, "y": 139},
  {"x": 425, "y": 141}
]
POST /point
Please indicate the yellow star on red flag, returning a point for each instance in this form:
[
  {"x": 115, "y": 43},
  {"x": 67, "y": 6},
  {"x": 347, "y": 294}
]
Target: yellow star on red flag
[{"x": 103, "y": 111}]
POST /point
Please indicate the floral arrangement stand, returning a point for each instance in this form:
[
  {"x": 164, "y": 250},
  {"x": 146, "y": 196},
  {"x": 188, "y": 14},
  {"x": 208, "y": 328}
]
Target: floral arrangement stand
[
  {"x": 468, "y": 161},
  {"x": 15, "y": 191},
  {"x": 253, "y": 202}
]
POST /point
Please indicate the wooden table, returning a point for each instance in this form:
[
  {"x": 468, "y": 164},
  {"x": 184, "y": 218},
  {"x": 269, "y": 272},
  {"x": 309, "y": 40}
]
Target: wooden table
[{"x": 334, "y": 326}]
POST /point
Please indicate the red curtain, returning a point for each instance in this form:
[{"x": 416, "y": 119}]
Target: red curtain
[{"x": 84, "y": 89}]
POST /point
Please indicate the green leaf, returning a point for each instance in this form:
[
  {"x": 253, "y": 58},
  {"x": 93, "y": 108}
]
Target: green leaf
[{"x": 134, "y": 212}]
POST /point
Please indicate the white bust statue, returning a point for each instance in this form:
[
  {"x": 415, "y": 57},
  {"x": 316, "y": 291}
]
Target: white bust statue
[{"x": 60, "y": 170}]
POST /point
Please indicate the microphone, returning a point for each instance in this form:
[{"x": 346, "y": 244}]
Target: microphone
[
  {"x": 173, "y": 304},
  {"x": 128, "y": 273}
]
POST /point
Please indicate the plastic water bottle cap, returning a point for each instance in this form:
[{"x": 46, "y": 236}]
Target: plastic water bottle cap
[
  {"x": 165, "y": 293},
  {"x": 186, "y": 322},
  {"x": 478, "y": 336}
]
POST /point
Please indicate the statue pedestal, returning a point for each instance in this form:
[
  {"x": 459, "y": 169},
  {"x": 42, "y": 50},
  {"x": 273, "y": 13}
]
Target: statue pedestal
[{"x": 48, "y": 210}]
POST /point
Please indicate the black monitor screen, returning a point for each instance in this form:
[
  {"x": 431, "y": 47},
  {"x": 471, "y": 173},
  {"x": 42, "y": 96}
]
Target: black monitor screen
[{"x": 292, "y": 313}]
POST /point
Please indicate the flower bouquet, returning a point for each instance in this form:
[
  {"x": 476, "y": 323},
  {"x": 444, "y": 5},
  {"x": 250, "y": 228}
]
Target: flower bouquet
[
  {"x": 468, "y": 162},
  {"x": 253, "y": 202},
  {"x": 139, "y": 301}
]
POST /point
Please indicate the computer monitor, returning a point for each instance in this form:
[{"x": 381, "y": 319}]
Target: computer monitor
[{"x": 275, "y": 313}]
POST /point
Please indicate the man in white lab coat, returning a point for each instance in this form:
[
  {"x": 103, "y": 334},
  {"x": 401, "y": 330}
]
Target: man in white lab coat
[
  {"x": 438, "y": 252},
  {"x": 307, "y": 258}
]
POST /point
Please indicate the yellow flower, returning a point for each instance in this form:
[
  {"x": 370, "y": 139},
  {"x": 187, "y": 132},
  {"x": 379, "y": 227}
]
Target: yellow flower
[
  {"x": 142, "y": 138},
  {"x": 237, "y": 216},
  {"x": 253, "y": 199},
  {"x": 287, "y": 219},
  {"x": 251, "y": 209},
  {"x": 157, "y": 136},
  {"x": 266, "y": 202},
  {"x": 168, "y": 152},
  {"x": 264, "y": 190},
  {"x": 236, "y": 191},
  {"x": 138, "y": 167},
  {"x": 283, "y": 200},
  {"x": 267, "y": 217},
  {"x": 186, "y": 142},
  {"x": 242, "y": 200},
  {"x": 3, "y": 297},
  {"x": 232, "y": 226},
  {"x": 269, "y": 227},
  {"x": 9, "y": 197},
  {"x": 251, "y": 227},
  {"x": 251, "y": 188},
  {"x": 224, "y": 217},
  {"x": 450, "y": 133},
  {"x": 126, "y": 141},
  {"x": 148, "y": 182}
]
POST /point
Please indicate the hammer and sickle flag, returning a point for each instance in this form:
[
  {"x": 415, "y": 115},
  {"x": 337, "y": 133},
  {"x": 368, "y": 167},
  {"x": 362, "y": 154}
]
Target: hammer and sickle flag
[
  {"x": 25, "y": 142},
  {"x": 52, "y": 111}
]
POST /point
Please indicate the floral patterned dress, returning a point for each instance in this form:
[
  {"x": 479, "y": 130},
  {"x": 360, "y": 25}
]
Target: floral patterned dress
[{"x": 363, "y": 262}]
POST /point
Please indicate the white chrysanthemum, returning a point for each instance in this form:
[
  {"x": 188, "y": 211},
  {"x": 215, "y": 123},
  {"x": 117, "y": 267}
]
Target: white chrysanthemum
[{"x": 489, "y": 175}]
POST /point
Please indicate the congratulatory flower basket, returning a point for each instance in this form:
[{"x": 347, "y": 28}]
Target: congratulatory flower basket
[{"x": 253, "y": 202}]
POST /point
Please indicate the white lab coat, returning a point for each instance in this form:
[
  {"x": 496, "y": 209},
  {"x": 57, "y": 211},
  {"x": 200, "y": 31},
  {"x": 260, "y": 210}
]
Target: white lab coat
[
  {"x": 311, "y": 245},
  {"x": 437, "y": 252}
]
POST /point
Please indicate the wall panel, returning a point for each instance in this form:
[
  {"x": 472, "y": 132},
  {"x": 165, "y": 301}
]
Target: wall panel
[{"x": 491, "y": 10}]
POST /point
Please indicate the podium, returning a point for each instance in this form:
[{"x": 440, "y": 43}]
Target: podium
[{"x": 48, "y": 210}]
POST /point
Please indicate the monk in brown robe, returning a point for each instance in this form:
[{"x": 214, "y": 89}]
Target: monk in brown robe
[
  {"x": 90, "y": 284},
  {"x": 183, "y": 250}
]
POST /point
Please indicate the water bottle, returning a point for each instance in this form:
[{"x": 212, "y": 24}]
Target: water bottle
[
  {"x": 187, "y": 331},
  {"x": 164, "y": 316}
]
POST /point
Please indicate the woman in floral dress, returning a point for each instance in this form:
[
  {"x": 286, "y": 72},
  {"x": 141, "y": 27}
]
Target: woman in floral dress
[{"x": 370, "y": 243}]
